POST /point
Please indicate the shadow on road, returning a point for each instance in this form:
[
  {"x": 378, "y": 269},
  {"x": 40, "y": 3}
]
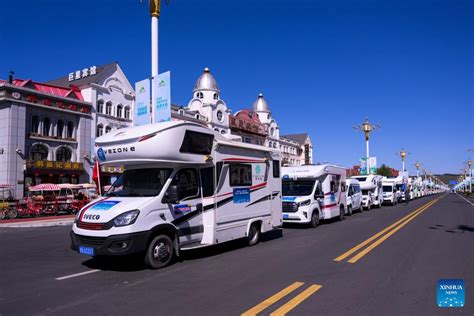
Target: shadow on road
[
  {"x": 136, "y": 262},
  {"x": 460, "y": 229}
]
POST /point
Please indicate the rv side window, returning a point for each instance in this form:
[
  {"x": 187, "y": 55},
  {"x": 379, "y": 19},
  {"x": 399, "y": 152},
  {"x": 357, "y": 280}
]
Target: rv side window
[
  {"x": 333, "y": 186},
  {"x": 197, "y": 143},
  {"x": 186, "y": 180},
  {"x": 207, "y": 181},
  {"x": 240, "y": 175},
  {"x": 276, "y": 168}
]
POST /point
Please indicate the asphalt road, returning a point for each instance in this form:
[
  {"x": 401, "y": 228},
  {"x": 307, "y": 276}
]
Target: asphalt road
[{"x": 396, "y": 276}]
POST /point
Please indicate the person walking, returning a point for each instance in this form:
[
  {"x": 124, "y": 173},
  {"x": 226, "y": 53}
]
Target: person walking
[{"x": 407, "y": 195}]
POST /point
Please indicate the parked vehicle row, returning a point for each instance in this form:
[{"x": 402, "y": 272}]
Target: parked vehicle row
[{"x": 186, "y": 186}]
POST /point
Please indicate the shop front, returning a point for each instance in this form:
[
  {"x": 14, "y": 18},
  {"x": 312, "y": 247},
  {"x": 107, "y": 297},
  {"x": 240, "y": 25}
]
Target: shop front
[{"x": 46, "y": 171}]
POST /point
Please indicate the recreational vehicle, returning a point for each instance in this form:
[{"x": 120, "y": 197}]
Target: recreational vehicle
[
  {"x": 313, "y": 193},
  {"x": 371, "y": 186},
  {"x": 184, "y": 186},
  {"x": 390, "y": 193},
  {"x": 353, "y": 196}
]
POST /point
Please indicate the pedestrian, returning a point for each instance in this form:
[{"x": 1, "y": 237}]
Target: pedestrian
[{"x": 407, "y": 195}]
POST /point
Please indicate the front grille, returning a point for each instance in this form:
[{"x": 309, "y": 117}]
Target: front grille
[
  {"x": 289, "y": 207},
  {"x": 92, "y": 241},
  {"x": 91, "y": 226}
]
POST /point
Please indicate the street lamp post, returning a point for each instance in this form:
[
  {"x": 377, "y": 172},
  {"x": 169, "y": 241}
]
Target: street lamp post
[
  {"x": 367, "y": 127},
  {"x": 469, "y": 163},
  {"x": 417, "y": 165}
]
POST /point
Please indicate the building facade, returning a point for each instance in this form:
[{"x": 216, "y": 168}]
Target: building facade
[
  {"x": 45, "y": 134},
  {"x": 296, "y": 149},
  {"x": 112, "y": 98}
]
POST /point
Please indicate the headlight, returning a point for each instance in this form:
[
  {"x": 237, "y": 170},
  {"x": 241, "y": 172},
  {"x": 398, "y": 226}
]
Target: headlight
[
  {"x": 305, "y": 203},
  {"x": 126, "y": 218},
  {"x": 78, "y": 215}
]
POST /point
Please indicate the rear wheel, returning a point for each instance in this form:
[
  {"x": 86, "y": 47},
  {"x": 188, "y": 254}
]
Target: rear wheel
[
  {"x": 160, "y": 252},
  {"x": 314, "y": 219},
  {"x": 12, "y": 213},
  {"x": 254, "y": 234}
]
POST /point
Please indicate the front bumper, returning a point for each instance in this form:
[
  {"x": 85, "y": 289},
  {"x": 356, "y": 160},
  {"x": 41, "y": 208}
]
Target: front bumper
[
  {"x": 297, "y": 217},
  {"x": 115, "y": 245}
]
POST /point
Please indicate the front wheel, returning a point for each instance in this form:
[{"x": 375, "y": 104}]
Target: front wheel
[
  {"x": 12, "y": 213},
  {"x": 2, "y": 214},
  {"x": 314, "y": 219},
  {"x": 349, "y": 210},
  {"x": 341, "y": 213},
  {"x": 160, "y": 252},
  {"x": 254, "y": 234}
]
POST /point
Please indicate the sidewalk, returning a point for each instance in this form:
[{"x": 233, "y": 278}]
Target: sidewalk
[{"x": 46, "y": 221}]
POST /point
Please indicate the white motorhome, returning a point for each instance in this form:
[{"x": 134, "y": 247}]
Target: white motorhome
[
  {"x": 353, "y": 196},
  {"x": 371, "y": 186},
  {"x": 184, "y": 186},
  {"x": 312, "y": 193},
  {"x": 391, "y": 194}
]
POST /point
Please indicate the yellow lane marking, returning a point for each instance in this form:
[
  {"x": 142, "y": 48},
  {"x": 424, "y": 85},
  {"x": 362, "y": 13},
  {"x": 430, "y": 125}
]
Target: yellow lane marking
[
  {"x": 283, "y": 310},
  {"x": 272, "y": 299},
  {"x": 385, "y": 237},
  {"x": 364, "y": 243}
]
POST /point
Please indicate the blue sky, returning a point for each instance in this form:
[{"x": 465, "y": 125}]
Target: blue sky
[{"x": 323, "y": 66}]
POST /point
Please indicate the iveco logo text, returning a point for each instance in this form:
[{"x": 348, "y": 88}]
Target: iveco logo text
[
  {"x": 92, "y": 217},
  {"x": 119, "y": 150}
]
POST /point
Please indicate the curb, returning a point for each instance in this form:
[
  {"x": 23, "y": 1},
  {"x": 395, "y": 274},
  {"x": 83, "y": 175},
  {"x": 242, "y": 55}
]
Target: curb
[{"x": 29, "y": 224}]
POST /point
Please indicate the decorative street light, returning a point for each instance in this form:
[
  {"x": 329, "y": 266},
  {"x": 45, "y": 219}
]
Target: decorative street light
[
  {"x": 469, "y": 163},
  {"x": 417, "y": 165},
  {"x": 367, "y": 127}
]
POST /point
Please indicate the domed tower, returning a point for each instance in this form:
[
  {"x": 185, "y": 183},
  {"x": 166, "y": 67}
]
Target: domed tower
[
  {"x": 260, "y": 106},
  {"x": 206, "y": 100}
]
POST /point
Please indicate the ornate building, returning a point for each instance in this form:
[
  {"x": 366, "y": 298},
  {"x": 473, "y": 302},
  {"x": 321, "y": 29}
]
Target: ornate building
[{"x": 45, "y": 134}]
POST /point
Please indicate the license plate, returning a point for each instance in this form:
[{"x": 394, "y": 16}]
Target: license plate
[
  {"x": 86, "y": 250},
  {"x": 285, "y": 216}
]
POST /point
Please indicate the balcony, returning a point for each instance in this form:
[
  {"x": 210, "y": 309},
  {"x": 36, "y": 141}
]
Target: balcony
[{"x": 70, "y": 140}]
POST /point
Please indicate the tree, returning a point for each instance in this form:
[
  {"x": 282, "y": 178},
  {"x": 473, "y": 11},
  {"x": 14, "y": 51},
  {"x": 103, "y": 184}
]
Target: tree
[{"x": 384, "y": 170}]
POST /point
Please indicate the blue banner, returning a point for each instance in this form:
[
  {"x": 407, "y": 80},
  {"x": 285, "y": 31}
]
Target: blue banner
[
  {"x": 162, "y": 97},
  {"x": 142, "y": 115}
]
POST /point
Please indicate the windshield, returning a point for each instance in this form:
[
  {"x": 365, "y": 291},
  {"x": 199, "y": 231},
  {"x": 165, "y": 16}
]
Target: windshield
[
  {"x": 361, "y": 179},
  {"x": 297, "y": 187},
  {"x": 366, "y": 192},
  {"x": 140, "y": 182},
  {"x": 387, "y": 188}
]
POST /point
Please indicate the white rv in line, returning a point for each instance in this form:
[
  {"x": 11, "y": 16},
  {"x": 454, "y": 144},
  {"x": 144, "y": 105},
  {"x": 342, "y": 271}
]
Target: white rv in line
[
  {"x": 371, "y": 186},
  {"x": 354, "y": 196},
  {"x": 184, "y": 186},
  {"x": 312, "y": 193},
  {"x": 391, "y": 194}
]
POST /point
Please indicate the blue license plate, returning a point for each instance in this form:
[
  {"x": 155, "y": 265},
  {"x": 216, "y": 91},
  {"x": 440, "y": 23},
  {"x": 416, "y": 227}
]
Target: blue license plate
[
  {"x": 285, "y": 216},
  {"x": 86, "y": 250}
]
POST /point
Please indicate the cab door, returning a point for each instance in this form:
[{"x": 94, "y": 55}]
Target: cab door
[{"x": 186, "y": 205}]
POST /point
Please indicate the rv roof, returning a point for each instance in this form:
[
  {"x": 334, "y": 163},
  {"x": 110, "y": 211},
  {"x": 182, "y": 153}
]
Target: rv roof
[{"x": 311, "y": 170}]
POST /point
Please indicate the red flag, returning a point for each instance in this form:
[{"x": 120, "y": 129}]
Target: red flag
[{"x": 96, "y": 176}]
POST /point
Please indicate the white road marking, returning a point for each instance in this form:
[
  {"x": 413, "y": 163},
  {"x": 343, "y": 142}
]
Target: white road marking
[
  {"x": 465, "y": 199},
  {"x": 76, "y": 275}
]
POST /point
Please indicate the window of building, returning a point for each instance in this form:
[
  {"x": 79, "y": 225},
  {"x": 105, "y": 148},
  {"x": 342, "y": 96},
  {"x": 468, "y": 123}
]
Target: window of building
[
  {"x": 99, "y": 130},
  {"x": 70, "y": 129},
  {"x": 197, "y": 143},
  {"x": 207, "y": 181},
  {"x": 240, "y": 174},
  {"x": 186, "y": 181},
  {"x": 223, "y": 132},
  {"x": 269, "y": 144},
  {"x": 34, "y": 124},
  {"x": 247, "y": 140},
  {"x": 119, "y": 110},
  {"x": 39, "y": 152},
  {"x": 216, "y": 96},
  {"x": 200, "y": 95},
  {"x": 276, "y": 168},
  {"x": 63, "y": 154},
  {"x": 100, "y": 106},
  {"x": 60, "y": 128},
  {"x": 46, "y": 126},
  {"x": 127, "y": 112},
  {"x": 220, "y": 116},
  {"x": 108, "y": 129},
  {"x": 108, "y": 108}
]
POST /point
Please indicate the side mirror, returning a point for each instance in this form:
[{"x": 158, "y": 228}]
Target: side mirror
[{"x": 171, "y": 195}]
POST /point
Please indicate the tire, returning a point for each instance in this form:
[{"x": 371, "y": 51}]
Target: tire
[
  {"x": 12, "y": 213},
  {"x": 349, "y": 210},
  {"x": 2, "y": 214},
  {"x": 314, "y": 219},
  {"x": 369, "y": 206},
  {"x": 160, "y": 252},
  {"x": 254, "y": 234},
  {"x": 341, "y": 212}
]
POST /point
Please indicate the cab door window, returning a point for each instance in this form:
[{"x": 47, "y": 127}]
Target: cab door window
[{"x": 186, "y": 181}]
